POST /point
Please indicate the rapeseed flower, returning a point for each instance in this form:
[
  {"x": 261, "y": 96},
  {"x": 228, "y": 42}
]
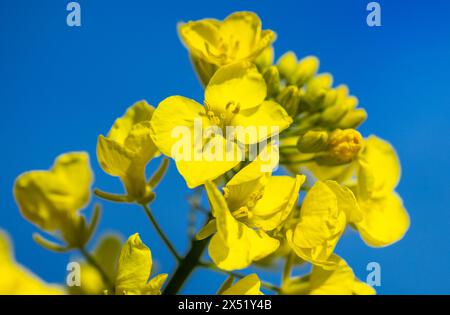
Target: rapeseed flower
[
  {"x": 15, "y": 279},
  {"x": 385, "y": 219},
  {"x": 47, "y": 197},
  {"x": 323, "y": 216},
  {"x": 127, "y": 149},
  {"x": 134, "y": 268},
  {"x": 238, "y": 37},
  {"x": 253, "y": 204},
  {"x": 233, "y": 98},
  {"x": 339, "y": 281}
]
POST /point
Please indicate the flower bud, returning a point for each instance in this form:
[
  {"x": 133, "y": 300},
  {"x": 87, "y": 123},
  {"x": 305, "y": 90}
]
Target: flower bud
[
  {"x": 333, "y": 114},
  {"x": 313, "y": 141},
  {"x": 287, "y": 65},
  {"x": 272, "y": 78},
  {"x": 305, "y": 70},
  {"x": 265, "y": 59},
  {"x": 344, "y": 145},
  {"x": 353, "y": 118},
  {"x": 289, "y": 99}
]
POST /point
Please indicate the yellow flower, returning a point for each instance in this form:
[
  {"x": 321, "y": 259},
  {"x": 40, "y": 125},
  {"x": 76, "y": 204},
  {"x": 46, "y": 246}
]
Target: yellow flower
[
  {"x": 385, "y": 219},
  {"x": 339, "y": 281},
  {"x": 235, "y": 245},
  {"x": 253, "y": 203},
  {"x": 134, "y": 268},
  {"x": 106, "y": 254},
  {"x": 47, "y": 198},
  {"x": 128, "y": 148},
  {"x": 249, "y": 285},
  {"x": 323, "y": 216},
  {"x": 15, "y": 279},
  {"x": 238, "y": 37},
  {"x": 233, "y": 98},
  {"x": 259, "y": 199}
]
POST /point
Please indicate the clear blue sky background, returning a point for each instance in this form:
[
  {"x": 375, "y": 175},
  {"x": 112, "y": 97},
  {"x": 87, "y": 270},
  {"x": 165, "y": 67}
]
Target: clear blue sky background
[{"x": 61, "y": 87}]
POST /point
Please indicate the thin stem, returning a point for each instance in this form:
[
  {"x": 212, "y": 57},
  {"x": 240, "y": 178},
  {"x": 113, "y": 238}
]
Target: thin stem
[
  {"x": 112, "y": 197},
  {"x": 161, "y": 232},
  {"x": 91, "y": 260},
  {"x": 287, "y": 270},
  {"x": 264, "y": 284},
  {"x": 186, "y": 266}
]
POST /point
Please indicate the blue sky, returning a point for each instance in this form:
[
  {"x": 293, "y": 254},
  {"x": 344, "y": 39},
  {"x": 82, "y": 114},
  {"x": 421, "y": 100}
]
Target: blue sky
[{"x": 61, "y": 87}]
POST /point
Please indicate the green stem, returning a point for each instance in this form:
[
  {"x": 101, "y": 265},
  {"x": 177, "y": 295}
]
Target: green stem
[
  {"x": 161, "y": 232},
  {"x": 91, "y": 260},
  {"x": 288, "y": 267},
  {"x": 112, "y": 197},
  {"x": 186, "y": 266}
]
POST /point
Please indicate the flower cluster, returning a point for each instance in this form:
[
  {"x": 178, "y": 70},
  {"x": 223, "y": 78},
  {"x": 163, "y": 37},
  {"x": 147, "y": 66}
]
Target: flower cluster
[{"x": 256, "y": 115}]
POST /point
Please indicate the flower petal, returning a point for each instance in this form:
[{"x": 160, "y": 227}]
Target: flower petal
[
  {"x": 385, "y": 221},
  {"x": 380, "y": 169},
  {"x": 134, "y": 266},
  {"x": 138, "y": 112},
  {"x": 238, "y": 84},
  {"x": 277, "y": 202},
  {"x": 174, "y": 116},
  {"x": 213, "y": 163},
  {"x": 267, "y": 120},
  {"x": 43, "y": 196},
  {"x": 202, "y": 39},
  {"x": 235, "y": 246},
  {"x": 249, "y": 285},
  {"x": 321, "y": 225}
]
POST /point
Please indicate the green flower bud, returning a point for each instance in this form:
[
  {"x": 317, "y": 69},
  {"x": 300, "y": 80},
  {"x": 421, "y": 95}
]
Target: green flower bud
[
  {"x": 264, "y": 59},
  {"x": 305, "y": 70},
  {"x": 289, "y": 98},
  {"x": 319, "y": 93},
  {"x": 333, "y": 114},
  {"x": 313, "y": 142},
  {"x": 272, "y": 78},
  {"x": 287, "y": 65},
  {"x": 353, "y": 118}
]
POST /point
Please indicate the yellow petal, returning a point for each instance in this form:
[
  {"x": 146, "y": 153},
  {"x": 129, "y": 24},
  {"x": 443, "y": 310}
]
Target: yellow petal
[
  {"x": 385, "y": 220},
  {"x": 346, "y": 201},
  {"x": 268, "y": 119},
  {"x": 139, "y": 141},
  {"x": 249, "y": 285},
  {"x": 239, "y": 85},
  {"x": 155, "y": 284},
  {"x": 277, "y": 202},
  {"x": 209, "y": 229},
  {"x": 339, "y": 281},
  {"x": 43, "y": 196},
  {"x": 15, "y": 279},
  {"x": 134, "y": 266},
  {"x": 172, "y": 117},
  {"x": 321, "y": 225},
  {"x": 137, "y": 113},
  {"x": 114, "y": 158},
  {"x": 202, "y": 39},
  {"x": 235, "y": 246},
  {"x": 380, "y": 171},
  {"x": 242, "y": 31},
  {"x": 212, "y": 165}
]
